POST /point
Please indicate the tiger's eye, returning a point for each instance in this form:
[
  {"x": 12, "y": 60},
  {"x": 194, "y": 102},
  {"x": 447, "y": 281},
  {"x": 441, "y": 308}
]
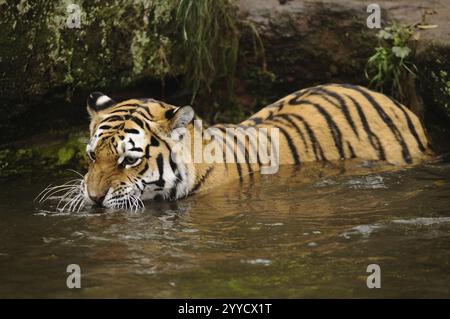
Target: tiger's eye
[{"x": 129, "y": 161}]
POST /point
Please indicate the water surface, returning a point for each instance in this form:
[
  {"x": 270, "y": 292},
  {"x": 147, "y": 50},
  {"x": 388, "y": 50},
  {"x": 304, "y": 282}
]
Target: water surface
[{"x": 294, "y": 235}]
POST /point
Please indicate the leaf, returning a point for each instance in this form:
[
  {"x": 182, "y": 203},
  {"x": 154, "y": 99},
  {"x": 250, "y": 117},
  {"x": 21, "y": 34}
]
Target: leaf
[
  {"x": 401, "y": 52},
  {"x": 382, "y": 34}
]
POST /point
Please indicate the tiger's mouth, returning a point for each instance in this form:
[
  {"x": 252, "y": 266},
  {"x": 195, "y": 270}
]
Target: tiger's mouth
[
  {"x": 122, "y": 199},
  {"x": 73, "y": 197}
]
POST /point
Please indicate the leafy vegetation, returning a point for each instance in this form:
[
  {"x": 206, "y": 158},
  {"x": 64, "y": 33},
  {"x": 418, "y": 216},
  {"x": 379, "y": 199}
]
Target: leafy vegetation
[
  {"x": 209, "y": 43},
  {"x": 435, "y": 82},
  {"x": 392, "y": 64},
  {"x": 441, "y": 80}
]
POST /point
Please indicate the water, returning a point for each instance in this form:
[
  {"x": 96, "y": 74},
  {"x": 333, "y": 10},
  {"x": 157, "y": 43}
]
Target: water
[{"x": 293, "y": 235}]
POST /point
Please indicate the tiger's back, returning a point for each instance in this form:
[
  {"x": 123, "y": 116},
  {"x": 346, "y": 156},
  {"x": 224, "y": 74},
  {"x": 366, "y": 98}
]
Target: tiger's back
[{"x": 334, "y": 122}]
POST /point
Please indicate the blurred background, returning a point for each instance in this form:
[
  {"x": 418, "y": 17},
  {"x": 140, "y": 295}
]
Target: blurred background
[{"x": 227, "y": 58}]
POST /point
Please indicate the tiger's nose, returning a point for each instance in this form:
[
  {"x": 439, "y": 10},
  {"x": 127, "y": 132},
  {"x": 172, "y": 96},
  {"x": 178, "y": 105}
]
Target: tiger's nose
[{"x": 97, "y": 199}]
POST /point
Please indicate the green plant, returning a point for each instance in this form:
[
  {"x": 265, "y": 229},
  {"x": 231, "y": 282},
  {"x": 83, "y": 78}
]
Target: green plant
[
  {"x": 442, "y": 81},
  {"x": 435, "y": 80},
  {"x": 391, "y": 67},
  {"x": 209, "y": 43}
]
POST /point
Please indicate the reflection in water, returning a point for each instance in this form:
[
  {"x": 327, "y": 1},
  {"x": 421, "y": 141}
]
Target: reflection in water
[{"x": 295, "y": 234}]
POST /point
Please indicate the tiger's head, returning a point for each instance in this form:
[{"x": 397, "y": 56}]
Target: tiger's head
[{"x": 131, "y": 152}]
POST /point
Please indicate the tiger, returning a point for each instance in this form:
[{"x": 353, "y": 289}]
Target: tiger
[{"x": 132, "y": 156}]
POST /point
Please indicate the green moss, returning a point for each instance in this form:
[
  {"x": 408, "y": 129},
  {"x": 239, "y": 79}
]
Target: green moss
[
  {"x": 45, "y": 158},
  {"x": 65, "y": 155},
  {"x": 36, "y": 41}
]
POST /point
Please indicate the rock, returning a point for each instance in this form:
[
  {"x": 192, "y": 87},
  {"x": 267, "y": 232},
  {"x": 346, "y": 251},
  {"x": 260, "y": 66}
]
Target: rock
[
  {"x": 45, "y": 57},
  {"x": 313, "y": 42}
]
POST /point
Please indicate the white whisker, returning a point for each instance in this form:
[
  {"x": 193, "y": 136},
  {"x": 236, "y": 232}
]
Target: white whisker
[
  {"x": 74, "y": 202},
  {"x": 81, "y": 205},
  {"x": 66, "y": 196},
  {"x": 44, "y": 195},
  {"x": 74, "y": 171}
]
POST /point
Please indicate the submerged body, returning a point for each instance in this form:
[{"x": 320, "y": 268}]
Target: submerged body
[{"x": 136, "y": 155}]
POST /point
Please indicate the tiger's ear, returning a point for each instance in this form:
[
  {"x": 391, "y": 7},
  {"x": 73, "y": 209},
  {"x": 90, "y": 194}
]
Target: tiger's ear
[
  {"x": 180, "y": 117},
  {"x": 97, "y": 102}
]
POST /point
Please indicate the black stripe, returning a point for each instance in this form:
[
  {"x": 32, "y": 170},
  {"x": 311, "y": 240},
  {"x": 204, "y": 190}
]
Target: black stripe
[
  {"x": 145, "y": 116},
  {"x": 131, "y": 131},
  {"x": 160, "y": 164},
  {"x": 386, "y": 119},
  {"x": 270, "y": 116},
  {"x": 113, "y": 119},
  {"x": 154, "y": 141},
  {"x": 297, "y": 97},
  {"x": 147, "y": 151},
  {"x": 291, "y": 145},
  {"x": 244, "y": 150},
  {"x": 178, "y": 179},
  {"x": 160, "y": 182},
  {"x": 297, "y": 129},
  {"x": 279, "y": 105},
  {"x": 273, "y": 149},
  {"x": 373, "y": 138},
  {"x": 137, "y": 121},
  {"x": 142, "y": 172},
  {"x": 202, "y": 179},
  {"x": 121, "y": 110},
  {"x": 254, "y": 147},
  {"x": 334, "y": 129},
  {"x": 222, "y": 146},
  {"x": 342, "y": 105},
  {"x": 172, "y": 163},
  {"x": 318, "y": 151},
  {"x": 136, "y": 149},
  {"x": 352, "y": 151},
  {"x": 411, "y": 127},
  {"x": 169, "y": 114},
  {"x": 112, "y": 148},
  {"x": 118, "y": 127},
  {"x": 256, "y": 120},
  {"x": 147, "y": 127},
  {"x": 238, "y": 165},
  {"x": 173, "y": 190}
]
